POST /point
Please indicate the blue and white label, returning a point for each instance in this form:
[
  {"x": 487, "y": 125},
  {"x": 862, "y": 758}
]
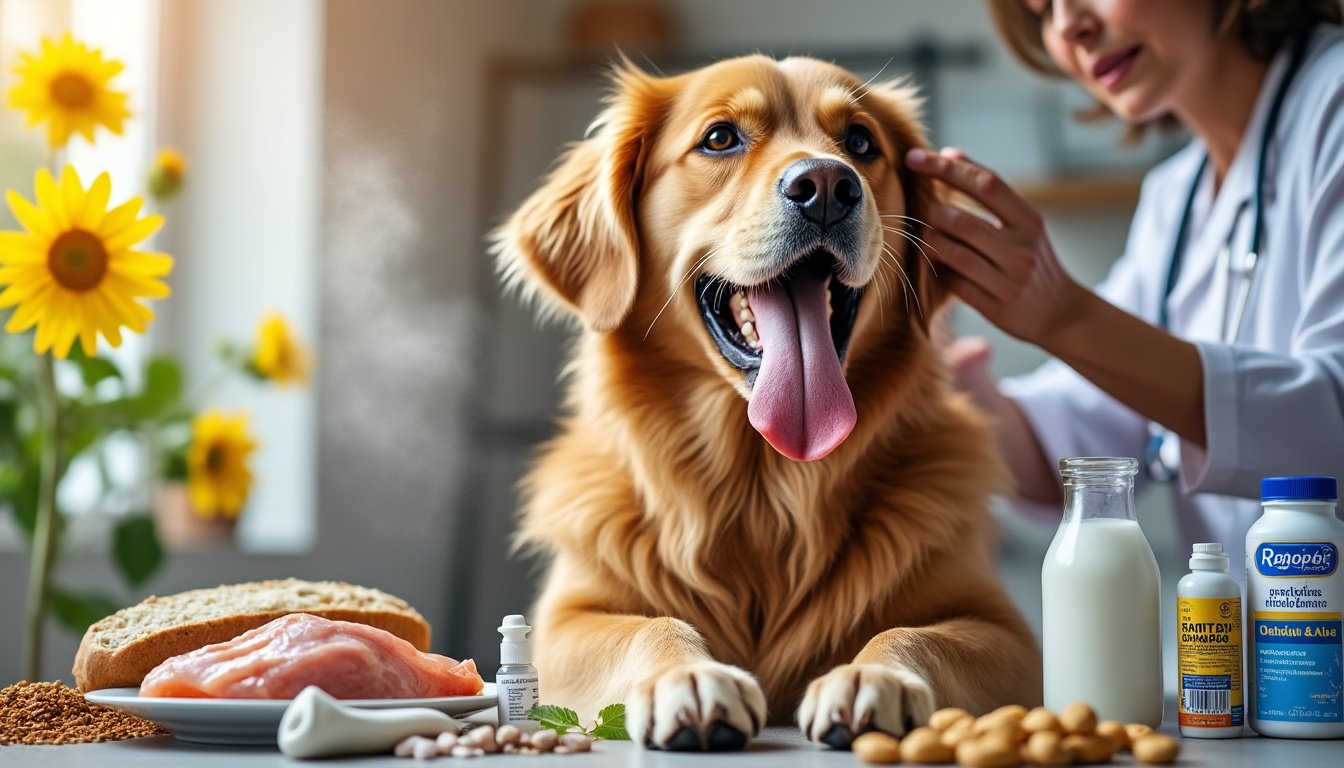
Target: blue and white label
[
  {"x": 1288, "y": 559},
  {"x": 1298, "y": 667}
]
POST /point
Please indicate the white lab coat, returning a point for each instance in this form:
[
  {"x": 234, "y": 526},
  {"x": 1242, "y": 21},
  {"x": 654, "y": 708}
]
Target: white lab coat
[{"x": 1274, "y": 395}]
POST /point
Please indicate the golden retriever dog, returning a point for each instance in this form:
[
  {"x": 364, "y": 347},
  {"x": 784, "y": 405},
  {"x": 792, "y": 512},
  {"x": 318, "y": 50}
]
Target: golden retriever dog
[{"x": 765, "y": 501}]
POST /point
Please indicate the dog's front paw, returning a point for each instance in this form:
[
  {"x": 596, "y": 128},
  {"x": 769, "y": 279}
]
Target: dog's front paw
[
  {"x": 701, "y": 706},
  {"x": 854, "y": 698}
]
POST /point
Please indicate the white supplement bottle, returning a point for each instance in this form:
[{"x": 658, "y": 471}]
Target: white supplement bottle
[
  {"x": 1101, "y": 599},
  {"x": 1294, "y": 597},
  {"x": 1208, "y": 647},
  {"x": 516, "y": 681}
]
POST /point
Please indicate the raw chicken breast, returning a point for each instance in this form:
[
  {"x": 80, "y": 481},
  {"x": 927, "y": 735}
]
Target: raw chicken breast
[{"x": 279, "y": 659}]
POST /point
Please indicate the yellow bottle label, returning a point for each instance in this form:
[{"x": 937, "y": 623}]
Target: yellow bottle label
[{"x": 1208, "y": 649}]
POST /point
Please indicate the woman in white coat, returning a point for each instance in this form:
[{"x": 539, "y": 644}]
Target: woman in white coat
[{"x": 1217, "y": 367}]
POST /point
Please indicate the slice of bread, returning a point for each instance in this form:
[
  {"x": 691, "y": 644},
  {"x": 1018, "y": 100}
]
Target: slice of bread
[{"x": 120, "y": 650}]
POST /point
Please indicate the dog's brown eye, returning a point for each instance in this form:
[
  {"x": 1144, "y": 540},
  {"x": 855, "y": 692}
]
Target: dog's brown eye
[
  {"x": 720, "y": 138},
  {"x": 859, "y": 143}
]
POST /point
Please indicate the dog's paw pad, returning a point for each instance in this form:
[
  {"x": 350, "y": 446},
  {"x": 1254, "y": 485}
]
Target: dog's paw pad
[
  {"x": 723, "y": 737},
  {"x": 839, "y": 736},
  {"x": 684, "y": 740}
]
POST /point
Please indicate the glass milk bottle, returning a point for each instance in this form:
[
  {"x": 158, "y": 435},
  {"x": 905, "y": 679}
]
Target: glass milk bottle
[{"x": 1100, "y": 598}]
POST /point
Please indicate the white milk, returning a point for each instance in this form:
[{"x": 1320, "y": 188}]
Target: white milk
[{"x": 1101, "y": 640}]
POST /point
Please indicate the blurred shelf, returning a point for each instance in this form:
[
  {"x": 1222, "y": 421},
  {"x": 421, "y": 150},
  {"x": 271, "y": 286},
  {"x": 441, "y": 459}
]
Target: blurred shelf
[{"x": 1094, "y": 192}]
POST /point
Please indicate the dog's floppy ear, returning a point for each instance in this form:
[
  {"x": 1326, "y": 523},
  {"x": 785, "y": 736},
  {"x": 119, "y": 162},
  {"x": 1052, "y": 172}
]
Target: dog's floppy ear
[
  {"x": 575, "y": 241},
  {"x": 898, "y": 106}
]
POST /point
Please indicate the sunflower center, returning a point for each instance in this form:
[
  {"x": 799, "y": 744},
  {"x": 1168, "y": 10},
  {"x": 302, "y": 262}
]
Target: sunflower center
[
  {"x": 214, "y": 460},
  {"x": 78, "y": 260},
  {"x": 72, "y": 90}
]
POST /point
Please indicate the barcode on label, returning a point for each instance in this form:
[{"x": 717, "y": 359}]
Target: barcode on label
[{"x": 1206, "y": 702}]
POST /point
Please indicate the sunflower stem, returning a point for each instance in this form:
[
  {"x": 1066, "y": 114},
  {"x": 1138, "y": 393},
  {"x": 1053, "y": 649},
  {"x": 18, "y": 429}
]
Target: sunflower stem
[{"x": 44, "y": 537}]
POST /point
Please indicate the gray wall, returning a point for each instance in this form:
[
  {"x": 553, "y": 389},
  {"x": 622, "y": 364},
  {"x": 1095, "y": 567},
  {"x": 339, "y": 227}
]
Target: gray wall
[{"x": 414, "y": 484}]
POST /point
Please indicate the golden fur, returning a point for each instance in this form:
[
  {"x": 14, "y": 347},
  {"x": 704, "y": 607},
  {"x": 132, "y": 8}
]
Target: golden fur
[{"x": 676, "y": 534}]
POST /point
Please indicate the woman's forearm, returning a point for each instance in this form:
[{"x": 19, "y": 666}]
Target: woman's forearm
[{"x": 1140, "y": 365}]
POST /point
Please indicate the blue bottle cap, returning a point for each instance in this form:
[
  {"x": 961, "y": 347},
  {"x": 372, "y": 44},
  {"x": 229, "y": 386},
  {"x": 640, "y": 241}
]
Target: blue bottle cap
[{"x": 1298, "y": 488}]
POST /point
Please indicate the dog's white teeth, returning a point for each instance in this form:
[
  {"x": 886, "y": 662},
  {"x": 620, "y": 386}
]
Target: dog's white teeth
[
  {"x": 745, "y": 316},
  {"x": 748, "y": 329},
  {"x": 742, "y": 300},
  {"x": 755, "y": 343}
]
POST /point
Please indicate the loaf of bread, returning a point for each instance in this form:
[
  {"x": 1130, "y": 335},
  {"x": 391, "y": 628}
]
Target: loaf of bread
[{"x": 120, "y": 650}]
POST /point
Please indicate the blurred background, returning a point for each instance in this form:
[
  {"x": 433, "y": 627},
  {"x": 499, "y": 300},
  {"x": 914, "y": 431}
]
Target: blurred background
[{"x": 346, "y": 159}]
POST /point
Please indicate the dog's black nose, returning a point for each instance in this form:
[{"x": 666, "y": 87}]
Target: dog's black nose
[{"x": 825, "y": 191}]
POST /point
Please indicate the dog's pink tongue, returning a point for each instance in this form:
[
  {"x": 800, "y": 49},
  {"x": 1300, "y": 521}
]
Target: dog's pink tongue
[{"x": 800, "y": 402}]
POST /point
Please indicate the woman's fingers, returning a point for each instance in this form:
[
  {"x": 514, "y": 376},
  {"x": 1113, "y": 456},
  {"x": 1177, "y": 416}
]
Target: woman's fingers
[
  {"x": 957, "y": 171},
  {"x": 968, "y": 263},
  {"x": 1005, "y": 251}
]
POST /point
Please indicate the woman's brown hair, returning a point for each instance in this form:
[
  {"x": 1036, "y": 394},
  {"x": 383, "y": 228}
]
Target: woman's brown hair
[{"x": 1261, "y": 26}]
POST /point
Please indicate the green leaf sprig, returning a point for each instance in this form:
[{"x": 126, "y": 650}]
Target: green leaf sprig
[{"x": 610, "y": 724}]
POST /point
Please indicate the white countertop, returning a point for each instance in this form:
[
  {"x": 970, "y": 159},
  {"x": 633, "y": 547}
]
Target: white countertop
[{"x": 778, "y": 746}]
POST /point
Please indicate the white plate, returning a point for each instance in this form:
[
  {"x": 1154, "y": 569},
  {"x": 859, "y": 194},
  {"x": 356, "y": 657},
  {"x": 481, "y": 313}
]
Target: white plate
[{"x": 253, "y": 721}]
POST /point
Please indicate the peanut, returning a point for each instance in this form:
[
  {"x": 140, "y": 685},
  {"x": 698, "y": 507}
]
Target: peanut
[
  {"x": 1156, "y": 748},
  {"x": 1088, "y": 748},
  {"x": 1014, "y": 711},
  {"x": 1078, "y": 718},
  {"x": 1115, "y": 731},
  {"x": 1041, "y": 719},
  {"x": 1136, "y": 731},
  {"x": 945, "y": 717},
  {"x": 925, "y": 746},
  {"x": 988, "y": 753},
  {"x": 877, "y": 747},
  {"x": 958, "y": 732},
  {"x": 1046, "y": 748}
]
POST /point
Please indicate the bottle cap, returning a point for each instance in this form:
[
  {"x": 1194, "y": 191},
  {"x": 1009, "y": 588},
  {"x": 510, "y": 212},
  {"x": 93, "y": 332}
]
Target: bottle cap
[
  {"x": 1208, "y": 556},
  {"x": 1298, "y": 488},
  {"x": 516, "y": 648}
]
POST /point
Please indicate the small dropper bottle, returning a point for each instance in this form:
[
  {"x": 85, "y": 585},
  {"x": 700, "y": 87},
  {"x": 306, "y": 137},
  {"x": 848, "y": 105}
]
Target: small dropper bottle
[{"x": 516, "y": 680}]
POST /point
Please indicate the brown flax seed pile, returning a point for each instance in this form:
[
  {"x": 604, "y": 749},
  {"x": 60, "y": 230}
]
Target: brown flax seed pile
[{"x": 51, "y": 713}]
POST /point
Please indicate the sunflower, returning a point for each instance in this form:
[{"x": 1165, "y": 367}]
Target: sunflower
[
  {"x": 279, "y": 356},
  {"x": 66, "y": 86},
  {"x": 73, "y": 273},
  {"x": 218, "y": 479}
]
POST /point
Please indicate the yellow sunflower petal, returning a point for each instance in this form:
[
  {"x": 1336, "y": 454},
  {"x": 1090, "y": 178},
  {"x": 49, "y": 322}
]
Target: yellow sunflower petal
[
  {"x": 72, "y": 193},
  {"x": 134, "y": 233},
  {"x": 50, "y": 201},
  {"x": 19, "y": 248},
  {"x": 142, "y": 263},
  {"x": 29, "y": 216},
  {"x": 119, "y": 218},
  {"x": 94, "y": 208}
]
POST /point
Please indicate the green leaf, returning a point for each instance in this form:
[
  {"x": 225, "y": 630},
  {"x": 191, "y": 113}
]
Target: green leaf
[
  {"x": 95, "y": 369},
  {"x": 611, "y": 724},
  {"x": 163, "y": 389},
  {"x": 136, "y": 548},
  {"x": 558, "y": 719},
  {"x": 76, "y": 611}
]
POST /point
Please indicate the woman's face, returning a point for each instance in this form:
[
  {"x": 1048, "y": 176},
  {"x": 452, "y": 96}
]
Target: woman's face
[{"x": 1141, "y": 58}]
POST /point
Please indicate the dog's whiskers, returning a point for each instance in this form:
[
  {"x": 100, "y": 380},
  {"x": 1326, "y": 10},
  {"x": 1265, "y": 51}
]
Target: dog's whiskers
[
  {"x": 911, "y": 285},
  {"x": 681, "y": 282},
  {"x": 918, "y": 242},
  {"x": 888, "y": 256},
  {"x": 854, "y": 95}
]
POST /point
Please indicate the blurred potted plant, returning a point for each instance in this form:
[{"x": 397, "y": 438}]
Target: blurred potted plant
[
  {"x": 205, "y": 472},
  {"x": 72, "y": 277}
]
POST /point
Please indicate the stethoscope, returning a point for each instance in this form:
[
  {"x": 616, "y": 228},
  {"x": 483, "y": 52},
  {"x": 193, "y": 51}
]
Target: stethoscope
[{"x": 1162, "y": 456}]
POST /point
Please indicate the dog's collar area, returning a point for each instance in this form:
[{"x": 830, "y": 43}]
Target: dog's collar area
[{"x": 728, "y": 316}]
